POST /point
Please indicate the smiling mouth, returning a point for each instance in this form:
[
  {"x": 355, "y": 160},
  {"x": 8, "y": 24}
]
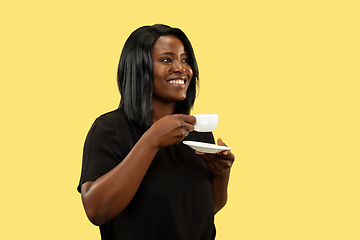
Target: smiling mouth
[{"x": 177, "y": 81}]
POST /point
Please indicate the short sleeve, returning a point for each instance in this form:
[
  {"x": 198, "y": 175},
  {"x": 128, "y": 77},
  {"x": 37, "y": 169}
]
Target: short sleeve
[{"x": 101, "y": 151}]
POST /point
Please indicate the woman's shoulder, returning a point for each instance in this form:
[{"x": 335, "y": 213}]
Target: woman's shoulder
[
  {"x": 112, "y": 119},
  {"x": 115, "y": 115},
  {"x": 117, "y": 121}
]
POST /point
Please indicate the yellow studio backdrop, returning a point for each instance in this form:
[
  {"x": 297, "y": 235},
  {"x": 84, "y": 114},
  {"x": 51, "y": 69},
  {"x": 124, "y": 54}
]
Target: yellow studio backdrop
[{"x": 282, "y": 75}]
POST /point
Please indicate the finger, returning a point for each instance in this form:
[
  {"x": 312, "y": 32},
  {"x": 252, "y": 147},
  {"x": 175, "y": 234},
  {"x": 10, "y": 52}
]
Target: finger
[
  {"x": 222, "y": 156},
  {"x": 199, "y": 153},
  {"x": 188, "y": 127},
  {"x": 226, "y": 152},
  {"x": 221, "y": 164},
  {"x": 218, "y": 167},
  {"x": 228, "y": 155},
  {"x": 184, "y": 132},
  {"x": 220, "y": 142},
  {"x": 188, "y": 118}
]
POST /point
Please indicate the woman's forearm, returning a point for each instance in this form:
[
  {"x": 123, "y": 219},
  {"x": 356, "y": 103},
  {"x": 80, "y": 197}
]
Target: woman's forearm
[{"x": 219, "y": 188}]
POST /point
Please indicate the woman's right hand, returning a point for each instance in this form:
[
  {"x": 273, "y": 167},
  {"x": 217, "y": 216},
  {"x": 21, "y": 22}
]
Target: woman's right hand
[{"x": 171, "y": 129}]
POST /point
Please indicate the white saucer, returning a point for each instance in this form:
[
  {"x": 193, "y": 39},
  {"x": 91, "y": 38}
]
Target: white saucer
[{"x": 205, "y": 147}]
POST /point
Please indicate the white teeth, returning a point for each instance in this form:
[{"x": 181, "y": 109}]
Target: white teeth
[{"x": 177, "y": 81}]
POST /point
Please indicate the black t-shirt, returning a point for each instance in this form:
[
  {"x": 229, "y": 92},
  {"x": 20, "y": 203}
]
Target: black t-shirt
[{"x": 174, "y": 200}]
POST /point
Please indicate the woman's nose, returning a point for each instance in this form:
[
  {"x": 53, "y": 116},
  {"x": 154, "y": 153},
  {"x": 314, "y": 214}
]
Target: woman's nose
[{"x": 178, "y": 67}]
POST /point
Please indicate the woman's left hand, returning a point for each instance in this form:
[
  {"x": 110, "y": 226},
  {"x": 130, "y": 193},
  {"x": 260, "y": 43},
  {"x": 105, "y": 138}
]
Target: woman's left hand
[{"x": 219, "y": 163}]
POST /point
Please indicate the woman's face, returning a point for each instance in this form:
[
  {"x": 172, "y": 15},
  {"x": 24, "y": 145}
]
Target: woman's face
[{"x": 172, "y": 71}]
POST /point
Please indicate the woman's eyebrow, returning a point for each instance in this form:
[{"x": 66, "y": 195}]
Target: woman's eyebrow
[
  {"x": 171, "y": 53},
  {"x": 168, "y": 53}
]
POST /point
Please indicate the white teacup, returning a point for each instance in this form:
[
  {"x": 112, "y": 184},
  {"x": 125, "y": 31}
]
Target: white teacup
[{"x": 206, "y": 122}]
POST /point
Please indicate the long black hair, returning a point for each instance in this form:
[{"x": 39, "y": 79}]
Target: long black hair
[{"x": 136, "y": 76}]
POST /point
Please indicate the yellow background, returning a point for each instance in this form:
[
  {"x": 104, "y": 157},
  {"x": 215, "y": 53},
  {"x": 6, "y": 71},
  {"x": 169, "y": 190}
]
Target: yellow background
[{"x": 283, "y": 75}]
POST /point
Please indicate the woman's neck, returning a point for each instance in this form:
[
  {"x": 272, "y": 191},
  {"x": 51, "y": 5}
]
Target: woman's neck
[{"x": 161, "y": 109}]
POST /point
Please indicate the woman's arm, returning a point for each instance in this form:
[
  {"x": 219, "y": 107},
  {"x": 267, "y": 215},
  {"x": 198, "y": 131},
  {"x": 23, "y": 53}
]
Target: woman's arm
[
  {"x": 219, "y": 188},
  {"x": 220, "y": 165},
  {"x": 106, "y": 197}
]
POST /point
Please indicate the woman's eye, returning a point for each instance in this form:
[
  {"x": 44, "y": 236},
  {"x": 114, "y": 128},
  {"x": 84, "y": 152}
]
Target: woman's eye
[
  {"x": 185, "y": 60},
  {"x": 166, "y": 60}
]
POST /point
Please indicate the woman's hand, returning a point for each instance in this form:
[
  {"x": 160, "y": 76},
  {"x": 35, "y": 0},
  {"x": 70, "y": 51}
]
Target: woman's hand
[
  {"x": 219, "y": 163},
  {"x": 171, "y": 129}
]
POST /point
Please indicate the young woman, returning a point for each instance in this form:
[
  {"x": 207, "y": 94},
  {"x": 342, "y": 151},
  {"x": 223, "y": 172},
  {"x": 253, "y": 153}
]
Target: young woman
[{"x": 138, "y": 180}]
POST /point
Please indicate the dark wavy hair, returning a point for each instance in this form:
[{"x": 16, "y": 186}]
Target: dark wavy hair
[{"x": 135, "y": 75}]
